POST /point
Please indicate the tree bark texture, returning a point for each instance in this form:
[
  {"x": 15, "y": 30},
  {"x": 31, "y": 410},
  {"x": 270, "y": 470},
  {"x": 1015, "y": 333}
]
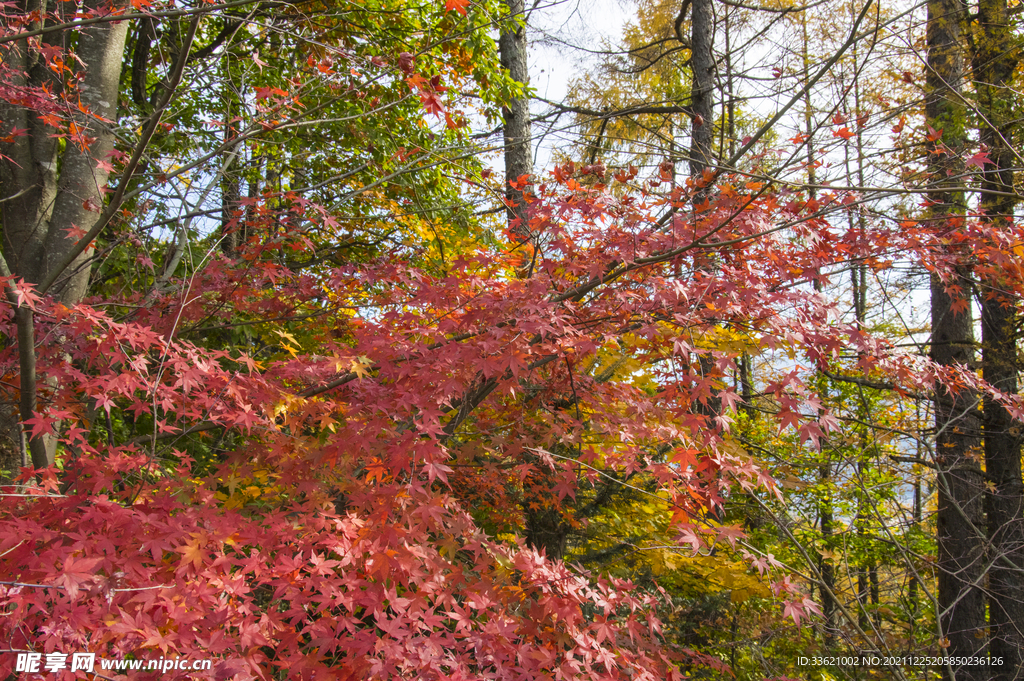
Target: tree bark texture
[
  {"x": 702, "y": 89},
  {"x": 961, "y": 554},
  {"x": 52, "y": 194},
  {"x": 545, "y": 528},
  {"x": 994, "y": 58},
  {"x": 518, "y": 153}
]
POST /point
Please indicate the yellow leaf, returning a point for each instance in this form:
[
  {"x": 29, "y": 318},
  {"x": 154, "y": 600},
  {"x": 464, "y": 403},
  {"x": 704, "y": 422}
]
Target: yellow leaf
[
  {"x": 290, "y": 347},
  {"x": 725, "y": 576},
  {"x": 192, "y": 552},
  {"x": 360, "y": 366},
  {"x": 328, "y": 423},
  {"x": 739, "y": 595}
]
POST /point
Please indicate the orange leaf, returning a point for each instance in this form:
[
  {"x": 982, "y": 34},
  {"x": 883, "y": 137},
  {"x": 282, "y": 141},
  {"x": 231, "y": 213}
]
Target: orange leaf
[{"x": 457, "y": 5}]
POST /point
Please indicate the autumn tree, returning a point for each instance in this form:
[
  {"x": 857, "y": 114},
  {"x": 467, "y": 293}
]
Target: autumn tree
[
  {"x": 301, "y": 454},
  {"x": 311, "y": 416},
  {"x": 53, "y": 186},
  {"x": 65, "y": 140},
  {"x": 994, "y": 56},
  {"x": 852, "y": 124}
]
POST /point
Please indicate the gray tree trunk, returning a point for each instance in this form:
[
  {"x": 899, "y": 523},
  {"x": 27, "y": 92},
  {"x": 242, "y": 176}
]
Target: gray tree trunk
[
  {"x": 518, "y": 153},
  {"x": 49, "y": 193},
  {"x": 702, "y": 89}
]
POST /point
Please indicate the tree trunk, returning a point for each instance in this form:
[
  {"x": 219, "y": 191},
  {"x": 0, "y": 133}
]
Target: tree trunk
[
  {"x": 826, "y": 515},
  {"x": 231, "y": 221},
  {"x": 702, "y": 89},
  {"x": 45, "y": 208},
  {"x": 545, "y": 528},
  {"x": 957, "y": 442},
  {"x": 994, "y": 59},
  {"x": 518, "y": 152}
]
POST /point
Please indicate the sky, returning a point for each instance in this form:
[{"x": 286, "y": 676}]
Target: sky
[
  {"x": 560, "y": 27},
  {"x": 560, "y": 33}
]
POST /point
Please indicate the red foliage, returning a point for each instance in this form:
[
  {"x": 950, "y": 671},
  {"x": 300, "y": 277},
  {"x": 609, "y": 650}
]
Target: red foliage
[
  {"x": 356, "y": 556},
  {"x": 361, "y": 561}
]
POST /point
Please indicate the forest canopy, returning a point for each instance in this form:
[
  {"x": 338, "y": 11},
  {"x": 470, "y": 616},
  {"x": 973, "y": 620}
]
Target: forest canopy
[{"x": 331, "y": 349}]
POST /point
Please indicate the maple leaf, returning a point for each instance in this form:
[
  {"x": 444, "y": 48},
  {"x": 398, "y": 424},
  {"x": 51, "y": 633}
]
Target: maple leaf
[
  {"x": 192, "y": 551},
  {"x": 959, "y": 305},
  {"x": 291, "y": 345},
  {"x": 15, "y": 132},
  {"x": 76, "y": 572},
  {"x": 432, "y": 102},
  {"x": 162, "y": 640},
  {"x": 405, "y": 62},
  {"x": 794, "y": 610},
  {"x": 800, "y": 609},
  {"x": 41, "y": 425},
  {"x": 687, "y": 535},
  {"x": 565, "y": 486},
  {"x": 457, "y": 5},
  {"x": 979, "y": 160},
  {"x": 51, "y": 120},
  {"x": 436, "y": 471},
  {"x": 25, "y": 294},
  {"x": 760, "y": 563},
  {"x": 788, "y": 417},
  {"x": 730, "y": 533},
  {"x": 376, "y": 470},
  {"x": 75, "y": 232},
  {"x": 360, "y": 366}
]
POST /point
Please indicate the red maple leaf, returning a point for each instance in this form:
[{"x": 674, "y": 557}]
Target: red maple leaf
[
  {"x": 459, "y": 6},
  {"x": 432, "y": 102},
  {"x": 76, "y": 572},
  {"x": 25, "y": 294},
  {"x": 979, "y": 160}
]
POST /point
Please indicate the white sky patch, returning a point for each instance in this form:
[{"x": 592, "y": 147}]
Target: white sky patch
[{"x": 564, "y": 36}]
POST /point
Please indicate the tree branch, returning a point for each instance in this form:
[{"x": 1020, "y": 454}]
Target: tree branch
[{"x": 147, "y": 134}]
